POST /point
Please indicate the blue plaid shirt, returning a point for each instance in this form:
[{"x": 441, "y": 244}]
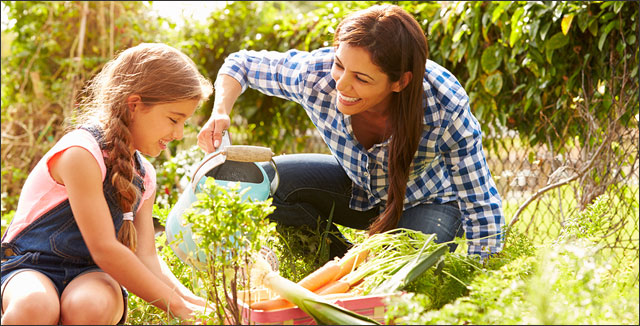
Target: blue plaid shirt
[{"x": 449, "y": 164}]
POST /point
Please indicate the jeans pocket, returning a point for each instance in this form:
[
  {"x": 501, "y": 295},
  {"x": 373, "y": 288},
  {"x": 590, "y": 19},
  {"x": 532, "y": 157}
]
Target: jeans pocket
[{"x": 16, "y": 261}]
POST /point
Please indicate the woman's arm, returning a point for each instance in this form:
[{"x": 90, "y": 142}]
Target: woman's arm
[
  {"x": 78, "y": 171},
  {"x": 281, "y": 74},
  {"x": 148, "y": 254},
  {"x": 479, "y": 201},
  {"x": 227, "y": 91}
]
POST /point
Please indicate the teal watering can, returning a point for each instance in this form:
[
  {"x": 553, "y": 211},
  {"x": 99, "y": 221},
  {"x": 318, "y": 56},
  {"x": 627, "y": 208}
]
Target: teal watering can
[{"x": 230, "y": 163}]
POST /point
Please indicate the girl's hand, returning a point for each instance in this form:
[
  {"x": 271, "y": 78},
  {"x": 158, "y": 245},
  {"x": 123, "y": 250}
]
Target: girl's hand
[
  {"x": 191, "y": 313},
  {"x": 197, "y": 300},
  {"x": 210, "y": 136}
]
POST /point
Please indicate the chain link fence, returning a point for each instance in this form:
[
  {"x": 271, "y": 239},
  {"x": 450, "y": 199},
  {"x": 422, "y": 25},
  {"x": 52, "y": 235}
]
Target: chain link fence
[{"x": 524, "y": 172}]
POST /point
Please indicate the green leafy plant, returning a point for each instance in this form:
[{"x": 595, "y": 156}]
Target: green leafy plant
[
  {"x": 298, "y": 251},
  {"x": 569, "y": 281},
  {"x": 228, "y": 231},
  {"x": 595, "y": 223}
]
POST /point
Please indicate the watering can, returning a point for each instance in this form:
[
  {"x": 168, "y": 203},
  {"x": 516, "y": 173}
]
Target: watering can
[{"x": 228, "y": 164}]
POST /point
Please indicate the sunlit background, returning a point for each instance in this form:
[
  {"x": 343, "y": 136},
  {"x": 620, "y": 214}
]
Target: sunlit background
[{"x": 176, "y": 11}]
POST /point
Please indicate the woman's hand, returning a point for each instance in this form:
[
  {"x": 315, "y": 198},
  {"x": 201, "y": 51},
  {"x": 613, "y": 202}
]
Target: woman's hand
[
  {"x": 227, "y": 91},
  {"x": 210, "y": 136}
]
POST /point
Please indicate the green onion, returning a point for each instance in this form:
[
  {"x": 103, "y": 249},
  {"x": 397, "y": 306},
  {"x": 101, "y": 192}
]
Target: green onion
[
  {"x": 411, "y": 270},
  {"x": 395, "y": 260}
]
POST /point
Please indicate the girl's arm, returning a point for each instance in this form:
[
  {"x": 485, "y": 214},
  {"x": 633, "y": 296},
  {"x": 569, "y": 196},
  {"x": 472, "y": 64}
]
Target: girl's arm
[
  {"x": 78, "y": 171},
  {"x": 148, "y": 254}
]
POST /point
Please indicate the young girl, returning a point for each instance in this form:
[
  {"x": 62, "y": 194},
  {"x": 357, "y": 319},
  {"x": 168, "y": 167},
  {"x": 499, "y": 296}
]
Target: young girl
[
  {"x": 83, "y": 229},
  {"x": 407, "y": 150}
]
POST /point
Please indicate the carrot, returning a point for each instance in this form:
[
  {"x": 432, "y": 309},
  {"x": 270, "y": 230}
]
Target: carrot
[
  {"x": 320, "y": 276},
  {"x": 311, "y": 282},
  {"x": 272, "y": 304},
  {"x": 346, "y": 266},
  {"x": 338, "y": 286}
]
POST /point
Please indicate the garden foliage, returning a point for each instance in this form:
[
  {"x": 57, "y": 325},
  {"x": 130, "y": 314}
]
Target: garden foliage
[
  {"x": 568, "y": 281},
  {"x": 228, "y": 231},
  {"x": 520, "y": 62},
  {"x": 540, "y": 68}
]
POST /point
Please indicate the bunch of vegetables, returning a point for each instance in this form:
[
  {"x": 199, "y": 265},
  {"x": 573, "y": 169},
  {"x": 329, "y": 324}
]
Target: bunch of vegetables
[{"x": 382, "y": 264}]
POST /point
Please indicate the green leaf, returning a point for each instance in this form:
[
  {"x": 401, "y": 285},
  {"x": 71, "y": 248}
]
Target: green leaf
[
  {"x": 611, "y": 25},
  {"x": 493, "y": 84},
  {"x": 557, "y": 41},
  {"x": 534, "y": 27},
  {"x": 603, "y": 37},
  {"x": 497, "y": 12},
  {"x": 479, "y": 110},
  {"x": 516, "y": 29},
  {"x": 472, "y": 67},
  {"x": 518, "y": 88},
  {"x": 491, "y": 58},
  {"x": 566, "y": 23},
  {"x": 583, "y": 21},
  {"x": 617, "y": 6},
  {"x": 459, "y": 32},
  {"x": 545, "y": 30},
  {"x": 593, "y": 26}
]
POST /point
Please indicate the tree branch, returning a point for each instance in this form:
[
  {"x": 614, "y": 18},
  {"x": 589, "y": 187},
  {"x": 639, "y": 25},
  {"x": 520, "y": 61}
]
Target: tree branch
[{"x": 563, "y": 182}]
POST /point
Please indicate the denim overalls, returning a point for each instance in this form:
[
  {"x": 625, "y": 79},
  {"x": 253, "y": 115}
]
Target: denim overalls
[{"x": 53, "y": 244}]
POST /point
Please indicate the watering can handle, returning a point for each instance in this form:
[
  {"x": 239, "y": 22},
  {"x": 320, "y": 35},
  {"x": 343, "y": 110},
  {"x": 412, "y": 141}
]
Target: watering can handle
[{"x": 246, "y": 153}]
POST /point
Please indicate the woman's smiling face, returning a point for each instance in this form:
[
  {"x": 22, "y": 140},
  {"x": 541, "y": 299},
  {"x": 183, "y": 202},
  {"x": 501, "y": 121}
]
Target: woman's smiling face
[{"x": 361, "y": 85}]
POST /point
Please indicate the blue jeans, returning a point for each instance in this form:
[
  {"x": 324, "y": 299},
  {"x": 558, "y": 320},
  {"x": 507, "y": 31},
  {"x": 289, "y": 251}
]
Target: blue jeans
[{"x": 312, "y": 184}]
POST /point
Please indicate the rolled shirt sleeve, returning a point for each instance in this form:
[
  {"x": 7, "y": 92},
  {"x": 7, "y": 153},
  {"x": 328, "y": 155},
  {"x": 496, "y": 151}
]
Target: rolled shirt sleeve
[{"x": 477, "y": 194}]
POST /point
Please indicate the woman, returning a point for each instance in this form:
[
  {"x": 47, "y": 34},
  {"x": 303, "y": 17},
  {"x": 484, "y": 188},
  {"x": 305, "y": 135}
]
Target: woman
[{"x": 407, "y": 152}]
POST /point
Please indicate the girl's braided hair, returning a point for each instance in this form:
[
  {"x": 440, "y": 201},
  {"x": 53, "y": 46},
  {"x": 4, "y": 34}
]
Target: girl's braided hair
[{"x": 159, "y": 74}]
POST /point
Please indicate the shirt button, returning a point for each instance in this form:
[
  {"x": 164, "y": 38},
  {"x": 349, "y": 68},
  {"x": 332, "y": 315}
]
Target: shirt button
[{"x": 366, "y": 174}]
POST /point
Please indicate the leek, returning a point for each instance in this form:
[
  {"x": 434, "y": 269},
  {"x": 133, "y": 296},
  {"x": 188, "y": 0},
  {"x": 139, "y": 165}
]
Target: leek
[{"x": 321, "y": 310}]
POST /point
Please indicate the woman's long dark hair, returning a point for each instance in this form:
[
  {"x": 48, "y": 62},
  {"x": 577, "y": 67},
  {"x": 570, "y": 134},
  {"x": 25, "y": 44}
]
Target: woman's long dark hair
[{"x": 397, "y": 44}]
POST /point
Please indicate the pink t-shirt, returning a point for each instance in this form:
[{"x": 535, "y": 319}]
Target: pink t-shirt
[{"x": 41, "y": 192}]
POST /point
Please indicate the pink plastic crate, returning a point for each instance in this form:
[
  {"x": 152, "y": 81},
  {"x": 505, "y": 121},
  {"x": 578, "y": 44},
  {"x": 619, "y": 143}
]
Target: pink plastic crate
[{"x": 371, "y": 306}]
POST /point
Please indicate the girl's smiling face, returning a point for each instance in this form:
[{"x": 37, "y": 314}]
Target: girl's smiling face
[
  {"x": 153, "y": 127},
  {"x": 361, "y": 85}
]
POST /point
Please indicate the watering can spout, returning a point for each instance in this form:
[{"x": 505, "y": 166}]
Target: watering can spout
[{"x": 230, "y": 163}]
